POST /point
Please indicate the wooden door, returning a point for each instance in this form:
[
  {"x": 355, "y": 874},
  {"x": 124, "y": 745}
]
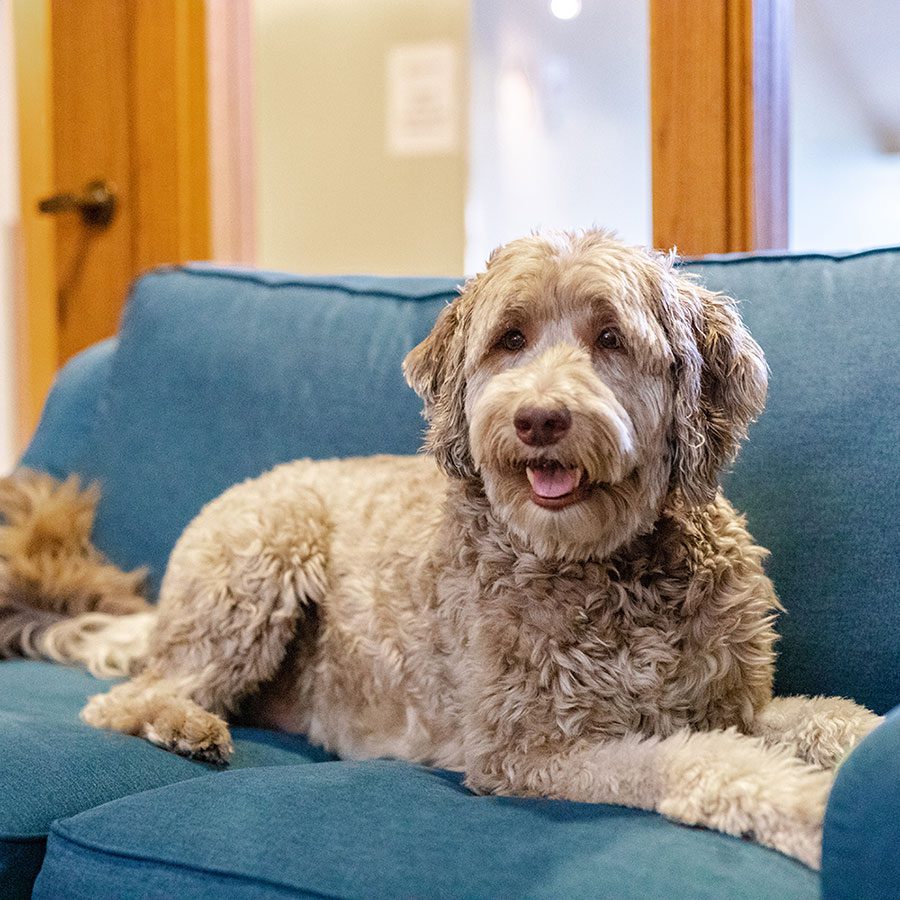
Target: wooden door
[
  {"x": 719, "y": 98},
  {"x": 111, "y": 90}
]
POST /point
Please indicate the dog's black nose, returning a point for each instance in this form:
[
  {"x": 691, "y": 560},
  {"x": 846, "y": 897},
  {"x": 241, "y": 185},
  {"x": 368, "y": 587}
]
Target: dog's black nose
[{"x": 540, "y": 427}]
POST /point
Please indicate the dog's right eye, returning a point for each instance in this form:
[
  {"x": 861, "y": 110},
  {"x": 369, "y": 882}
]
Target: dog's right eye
[{"x": 513, "y": 340}]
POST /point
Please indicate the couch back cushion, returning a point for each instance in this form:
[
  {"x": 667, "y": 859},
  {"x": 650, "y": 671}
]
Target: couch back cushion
[
  {"x": 819, "y": 478},
  {"x": 221, "y": 374}
]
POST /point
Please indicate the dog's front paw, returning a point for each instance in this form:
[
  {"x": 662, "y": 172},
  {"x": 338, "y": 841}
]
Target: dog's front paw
[
  {"x": 833, "y": 731},
  {"x": 820, "y": 730},
  {"x": 195, "y": 734},
  {"x": 748, "y": 790},
  {"x": 164, "y": 718}
]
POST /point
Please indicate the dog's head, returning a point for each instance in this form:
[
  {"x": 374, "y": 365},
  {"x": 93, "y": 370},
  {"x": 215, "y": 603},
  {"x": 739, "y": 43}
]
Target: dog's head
[{"x": 586, "y": 383}]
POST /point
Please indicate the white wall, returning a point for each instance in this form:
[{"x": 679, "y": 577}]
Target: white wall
[
  {"x": 9, "y": 216},
  {"x": 560, "y": 121},
  {"x": 844, "y": 171}
]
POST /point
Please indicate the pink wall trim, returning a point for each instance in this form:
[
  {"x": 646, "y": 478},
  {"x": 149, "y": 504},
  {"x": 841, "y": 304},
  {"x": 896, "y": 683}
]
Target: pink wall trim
[{"x": 232, "y": 145}]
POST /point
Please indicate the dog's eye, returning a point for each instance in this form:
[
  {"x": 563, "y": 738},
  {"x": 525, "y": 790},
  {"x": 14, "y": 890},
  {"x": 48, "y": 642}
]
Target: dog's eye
[
  {"x": 609, "y": 339},
  {"x": 513, "y": 340}
]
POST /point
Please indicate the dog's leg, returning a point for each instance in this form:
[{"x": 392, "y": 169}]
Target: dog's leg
[
  {"x": 820, "y": 730},
  {"x": 160, "y": 710},
  {"x": 718, "y": 779},
  {"x": 238, "y": 584}
]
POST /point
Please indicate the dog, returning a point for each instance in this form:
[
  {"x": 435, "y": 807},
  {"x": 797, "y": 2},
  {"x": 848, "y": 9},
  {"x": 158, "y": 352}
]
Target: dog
[{"x": 556, "y": 598}]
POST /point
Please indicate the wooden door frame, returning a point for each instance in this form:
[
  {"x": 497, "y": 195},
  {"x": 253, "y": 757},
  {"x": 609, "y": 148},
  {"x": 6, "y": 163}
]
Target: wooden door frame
[
  {"x": 232, "y": 130},
  {"x": 719, "y": 73},
  {"x": 170, "y": 165}
]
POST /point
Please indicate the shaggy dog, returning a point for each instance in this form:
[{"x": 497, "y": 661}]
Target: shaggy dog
[{"x": 556, "y": 599}]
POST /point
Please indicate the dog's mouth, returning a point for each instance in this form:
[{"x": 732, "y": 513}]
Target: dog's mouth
[{"x": 555, "y": 486}]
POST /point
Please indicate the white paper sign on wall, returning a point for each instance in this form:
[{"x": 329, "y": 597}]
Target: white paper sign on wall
[{"x": 423, "y": 99}]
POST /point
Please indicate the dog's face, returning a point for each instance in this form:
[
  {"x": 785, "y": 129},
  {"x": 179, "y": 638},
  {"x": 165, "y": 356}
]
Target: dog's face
[{"x": 584, "y": 382}]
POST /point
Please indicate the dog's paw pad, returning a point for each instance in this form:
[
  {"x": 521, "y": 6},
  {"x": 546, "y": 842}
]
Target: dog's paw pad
[
  {"x": 215, "y": 756},
  {"x": 198, "y": 735},
  {"x": 192, "y": 732}
]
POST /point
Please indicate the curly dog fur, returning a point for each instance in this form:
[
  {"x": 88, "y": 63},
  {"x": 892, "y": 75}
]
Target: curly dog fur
[
  {"x": 49, "y": 569},
  {"x": 557, "y": 599}
]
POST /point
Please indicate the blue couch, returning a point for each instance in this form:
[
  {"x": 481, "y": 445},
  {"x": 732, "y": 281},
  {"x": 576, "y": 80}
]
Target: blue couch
[{"x": 217, "y": 375}]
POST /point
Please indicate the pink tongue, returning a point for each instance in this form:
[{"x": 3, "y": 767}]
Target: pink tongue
[{"x": 555, "y": 482}]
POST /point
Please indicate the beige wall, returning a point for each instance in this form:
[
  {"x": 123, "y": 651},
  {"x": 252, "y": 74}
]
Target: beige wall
[{"x": 330, "y": 197}]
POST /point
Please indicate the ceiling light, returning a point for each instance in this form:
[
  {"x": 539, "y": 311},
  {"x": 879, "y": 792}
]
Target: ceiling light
[{"x": 565, "y": 9}]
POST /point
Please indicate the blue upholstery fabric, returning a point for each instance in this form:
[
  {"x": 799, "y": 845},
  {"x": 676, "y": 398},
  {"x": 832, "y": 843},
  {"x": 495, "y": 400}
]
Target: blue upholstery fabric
[
  {"x": 818, "y": 478},
  {"x": 221, "y": 375},
  {"x": 70, "y": 411},
  {"x": 861, "y": 848},
  {"x": 53, "y": 765},
  {"x": 388, "y": 829}
]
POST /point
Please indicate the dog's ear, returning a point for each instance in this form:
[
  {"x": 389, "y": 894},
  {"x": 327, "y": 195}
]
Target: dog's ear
[
  {"x": 721, "y": 381},
  {"x": 435, "y": 371}
]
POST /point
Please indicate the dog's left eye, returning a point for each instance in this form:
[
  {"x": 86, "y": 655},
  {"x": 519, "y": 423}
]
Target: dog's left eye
[
  {"x": 513, "y": 340},
  {"x": 609, "y": 339}
]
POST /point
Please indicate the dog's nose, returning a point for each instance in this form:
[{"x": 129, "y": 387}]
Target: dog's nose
[{"x": 540, "y": 427}]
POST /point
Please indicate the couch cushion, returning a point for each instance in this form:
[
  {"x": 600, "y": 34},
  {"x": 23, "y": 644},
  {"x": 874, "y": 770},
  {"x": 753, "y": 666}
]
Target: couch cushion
[
  {"x": 818, "y": 478},
  {"x": 389, "y": 829},
  {"x": 861, "y": 845},
  {"x": 221, "y": 374},
  {"x": 69, "y": 412},
  {"x": 52, "y": 764}
]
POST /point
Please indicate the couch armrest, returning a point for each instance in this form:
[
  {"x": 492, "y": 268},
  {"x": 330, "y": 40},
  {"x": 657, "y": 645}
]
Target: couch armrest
[
  {"x": 69, "y": 411},
  {"x": 861, "y": 848}
]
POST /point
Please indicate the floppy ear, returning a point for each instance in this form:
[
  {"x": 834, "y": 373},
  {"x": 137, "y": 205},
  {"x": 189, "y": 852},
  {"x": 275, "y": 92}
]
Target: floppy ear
[
  {"x": 721, "y": 386},
  {"x": 434, "y": 370}
]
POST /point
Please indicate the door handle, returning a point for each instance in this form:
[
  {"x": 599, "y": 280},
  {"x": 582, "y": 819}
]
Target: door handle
[{"x": 97, "y": 205}]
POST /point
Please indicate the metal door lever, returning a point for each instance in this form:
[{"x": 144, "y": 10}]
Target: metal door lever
[{"x": 97, "y": 204}]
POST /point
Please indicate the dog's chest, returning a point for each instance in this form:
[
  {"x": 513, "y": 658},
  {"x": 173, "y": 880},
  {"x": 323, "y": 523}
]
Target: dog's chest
[{"x": 585, "y": 652}]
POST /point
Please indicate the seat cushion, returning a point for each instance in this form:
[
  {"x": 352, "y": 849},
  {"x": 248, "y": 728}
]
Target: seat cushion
[
  {"x": 53, "y": 765},
  {"x": 390, "y": 829}
]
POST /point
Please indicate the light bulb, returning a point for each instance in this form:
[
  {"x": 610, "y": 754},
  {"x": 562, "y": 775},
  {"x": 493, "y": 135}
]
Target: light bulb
[{"x": 565, "y": 9}]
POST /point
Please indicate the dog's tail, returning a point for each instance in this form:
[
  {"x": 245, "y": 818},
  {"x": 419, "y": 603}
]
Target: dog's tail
[
  {"x": 60, "y": 598},
  {"x": 107, "y": 646}
]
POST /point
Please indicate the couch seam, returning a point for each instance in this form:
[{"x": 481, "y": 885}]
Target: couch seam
[
  {"x": 23, "y": 838},
  {"x": 293, "y": 282},
  {"x": 735, "y": 258},
  {"x": 57, "y": 831}
]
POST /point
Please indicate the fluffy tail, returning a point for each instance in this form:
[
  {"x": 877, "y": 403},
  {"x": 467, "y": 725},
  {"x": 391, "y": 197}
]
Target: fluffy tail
[
  {"x": 107, "y": 646},
  {"x": 60, "y": 598}
]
